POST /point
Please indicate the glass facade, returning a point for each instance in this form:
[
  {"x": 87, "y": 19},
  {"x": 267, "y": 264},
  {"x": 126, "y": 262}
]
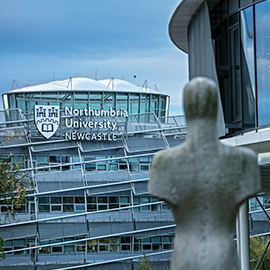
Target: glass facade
[
  {"x": 88, "y": 200},
  {"x": 241, "y": 34},
  {"x": 133, "y": 103}
]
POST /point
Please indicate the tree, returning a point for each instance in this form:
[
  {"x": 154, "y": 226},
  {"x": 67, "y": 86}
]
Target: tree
[
  {"x": 12, "y": 191},
  {"x": 145, "y": 263},
  {"x": 257, "y": 247},
  {"x": 12, "y": 187}
]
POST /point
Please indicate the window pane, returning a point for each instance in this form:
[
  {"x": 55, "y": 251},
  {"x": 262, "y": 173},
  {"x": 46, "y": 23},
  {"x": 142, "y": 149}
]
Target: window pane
[
  {"x": 248, "y": 67},
  {"x": 68, "y": 200},
  {"x": 69, "y": 249},
  {"x": 56, "y": 208},
  {"x": 57, "y": 249},
  {"x": 56, "y": 200},
  {"x": 262, "y": 11},
  {"x": 44, "y": 200}
]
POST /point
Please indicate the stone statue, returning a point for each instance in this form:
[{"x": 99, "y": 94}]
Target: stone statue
[{"x": 204, "y": 182}]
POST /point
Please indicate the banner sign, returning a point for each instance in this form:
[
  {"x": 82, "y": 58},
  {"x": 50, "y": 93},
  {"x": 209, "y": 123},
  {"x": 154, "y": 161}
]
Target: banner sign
[{"x": 80, "y": 124}]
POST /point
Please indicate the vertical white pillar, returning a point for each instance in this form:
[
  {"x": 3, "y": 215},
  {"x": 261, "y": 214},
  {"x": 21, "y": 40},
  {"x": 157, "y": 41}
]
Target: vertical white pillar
[{"x": 243, "y": 237}]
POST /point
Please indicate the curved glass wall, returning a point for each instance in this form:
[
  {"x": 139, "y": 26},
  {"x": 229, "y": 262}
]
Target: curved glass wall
[
  {"x": 134, "y": 103},
  {"x": 242, "y": 44}
]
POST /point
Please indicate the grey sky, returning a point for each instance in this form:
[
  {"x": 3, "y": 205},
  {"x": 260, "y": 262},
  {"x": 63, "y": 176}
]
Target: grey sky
[{"x": 119, "y": 38}]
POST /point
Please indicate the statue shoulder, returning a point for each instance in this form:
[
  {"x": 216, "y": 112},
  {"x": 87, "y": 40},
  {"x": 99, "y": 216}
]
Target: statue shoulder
[{"x": 164, "y": 158}]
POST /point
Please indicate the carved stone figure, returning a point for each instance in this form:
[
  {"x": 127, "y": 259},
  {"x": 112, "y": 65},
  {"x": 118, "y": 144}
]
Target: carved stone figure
[{"x": 204, "y": 182}]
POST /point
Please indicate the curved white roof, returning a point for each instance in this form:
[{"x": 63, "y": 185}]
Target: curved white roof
[
  {"x": 77, "y": 83},
  {"x": 84, "y": 84},
  {"x": 121, "y": 85}
]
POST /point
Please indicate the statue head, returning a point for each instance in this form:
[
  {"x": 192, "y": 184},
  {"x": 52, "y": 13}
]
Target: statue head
[{"x": 200, "y": 99}]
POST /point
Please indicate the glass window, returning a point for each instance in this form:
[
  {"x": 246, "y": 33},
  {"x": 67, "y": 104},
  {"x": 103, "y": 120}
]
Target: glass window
[
  {"x": 245, "y": 2},
  {"x": 56, "y": 208},
  {"x": 125, "y": 247},
  {"x": 156, "y": 239},
  {"x": 91, "y": 199},
  {"x": 109, "y": 101},
  {"x": 44, "y": 200},
  {"x": 157, "y": 247},
  {"x": 137, "y": 247},
  {"x": 90, "y": 167},
  {"x": 114, "y": 240},
  {"x": 134, "y": 103},
  {"x": 101, "y": 167},
  {"x": 79, "y": 207},
  {"x": 66, "y": 159},
  {"x": 122, "y": 101},
  {"x": 262, "y": 12},
  {"x": 162, "y": 106},
  {"x": 144, "y": 167},
  {"x": 42, "y": 159},
  {"x": 80, "y": 248},
  {"x": 45, "y": 250},
  {"x": 19, "y": 242},
  {"x": 102, "y": 200},
  {"x": 166, "y": 239},
  {"x": 233, "y": 6},
  {"x": 68, "y": 199},
  {"x": 54, "y": 159},
  {"x": 103, "y": 248},
  {"x": 92, "y": 246},
  {"x": 124, "y": 199},
  {"x": 113, "y": 199},
  {"x": 167, "y": 246},
  {"x": 66, "y": 99},
  {"x": 146, "y": 246},
  {"x": 145, "y": 199},
  {"x": 49, "y": 98},
  {"x": 125, "y": 239},
  {"x": 248, "y": 68},
  {"x": 44, "y": 208},
  {"x": 103, "y": 241},
  {"x": 91, "y": 207},
  {"x": 69, "y": 249},
  {"x": 96, "y": 101},
  {"x": 56, "y": 199},
  {"x": 8, "y": 243},
  {"x": 102, "y": 207},
  {"x": 154, "y": 104},
  {"x": 81, "y": 100},
  {"x": 114, "y": 248},
  {"x": 68, "y": 207},
  {"x": 79, "y": 199}
]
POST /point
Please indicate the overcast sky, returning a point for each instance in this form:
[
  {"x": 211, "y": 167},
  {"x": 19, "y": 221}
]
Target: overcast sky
[{"x": 120, "y": 38}]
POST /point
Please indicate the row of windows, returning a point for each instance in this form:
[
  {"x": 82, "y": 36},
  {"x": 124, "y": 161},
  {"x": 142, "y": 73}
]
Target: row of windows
[
  {"x": 133, "y": 103},
  {"x": 93, "y": 203},
  {"x": 134, "y": 164},
  {"x": 242, "y": 59},
  {"x": 109, "y": 244}
]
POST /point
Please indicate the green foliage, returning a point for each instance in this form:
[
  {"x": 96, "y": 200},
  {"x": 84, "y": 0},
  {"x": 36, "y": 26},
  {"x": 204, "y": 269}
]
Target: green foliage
[
  {"x": 12, "y": 191},
  {"x": 145, "y": 263},
  {"x": 2, "y": 254},
  {"x": 12, "y": 186},
  {"x": 257, "y": 246}
]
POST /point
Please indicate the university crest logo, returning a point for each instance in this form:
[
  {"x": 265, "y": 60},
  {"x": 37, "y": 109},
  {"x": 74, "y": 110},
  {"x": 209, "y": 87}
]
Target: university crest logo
[{"x": 47, "y": 119}]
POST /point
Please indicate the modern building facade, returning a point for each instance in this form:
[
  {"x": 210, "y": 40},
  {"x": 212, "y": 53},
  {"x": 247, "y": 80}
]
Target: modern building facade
[
  {"x": 87, "y": 145},
  {"x": 228, "y": 41}
]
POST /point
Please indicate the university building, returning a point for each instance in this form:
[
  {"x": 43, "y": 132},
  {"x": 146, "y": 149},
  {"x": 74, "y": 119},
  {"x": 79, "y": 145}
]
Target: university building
[
  {"x": 87, "y": 145},
  {"x": 228, "y": 41}
]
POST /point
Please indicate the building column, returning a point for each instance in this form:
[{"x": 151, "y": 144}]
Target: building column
[{"x": 242, "y": 227}]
